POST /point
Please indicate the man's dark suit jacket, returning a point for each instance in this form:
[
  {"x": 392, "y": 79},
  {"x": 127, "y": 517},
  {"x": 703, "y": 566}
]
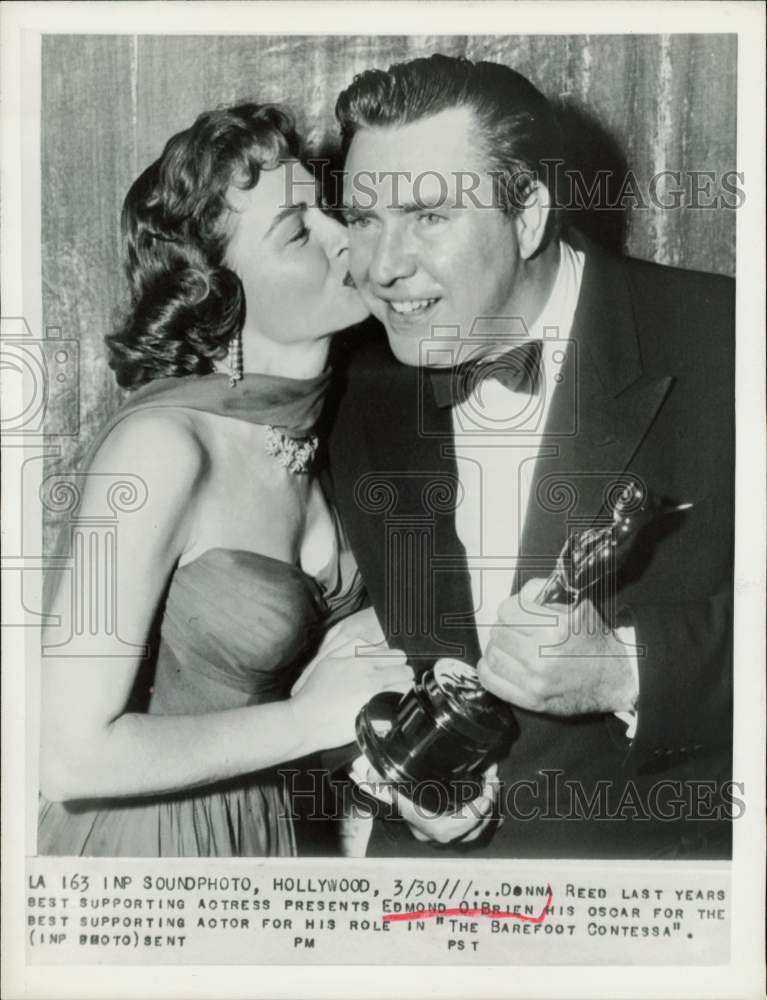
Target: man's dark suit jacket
[{"x": 652, "y": 366}]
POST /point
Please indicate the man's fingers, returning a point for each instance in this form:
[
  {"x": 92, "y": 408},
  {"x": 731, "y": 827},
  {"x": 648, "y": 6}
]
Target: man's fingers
[
  {"x": 446, "y": 830},
  {"x": 509, "y": 611},
  {"x": 394, "y": 671},
  {"x": 528, "y": 592},
  {"x": 462, "y": 826},
  {"x": 506, "y": 665},
  {"x": 517, "y": 609},
  {"x": 396, "y": 677},
  {"x": 504, "y": 689},
  {"x": 446, "y": 827},
  {"x": 477, "y": 831},
  {"x": 379, "y": 789},
  {"x": 412, "y": 813},
  {"x": 400, "y": 686},
  {"x": 514, "y": 625},
  {"x": 420, "y": 837},
  {"x": 492, "y": 786},
  {"x": 481, "y": 806},
  {"x": 466, "y": 824},
  {"x": 394, "y": 658},
  {"x": 514, "y": 641}
]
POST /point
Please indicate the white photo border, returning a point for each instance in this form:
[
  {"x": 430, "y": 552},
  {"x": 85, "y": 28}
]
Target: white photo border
[{"x": 22, "y": 26}]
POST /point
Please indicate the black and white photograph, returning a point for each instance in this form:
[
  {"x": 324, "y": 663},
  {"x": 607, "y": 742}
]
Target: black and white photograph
[{"x": 383, "y": 443}]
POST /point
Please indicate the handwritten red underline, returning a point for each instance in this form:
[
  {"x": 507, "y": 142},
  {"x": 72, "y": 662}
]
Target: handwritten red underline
[{"x": 456, "y": 911}]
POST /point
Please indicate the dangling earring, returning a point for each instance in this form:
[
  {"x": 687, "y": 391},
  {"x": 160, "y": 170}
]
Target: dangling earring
[{"x": 235, "y": 359}]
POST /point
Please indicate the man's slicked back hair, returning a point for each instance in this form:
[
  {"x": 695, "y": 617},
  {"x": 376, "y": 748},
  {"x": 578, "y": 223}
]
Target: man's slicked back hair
[{"x": 517, "y": 129}]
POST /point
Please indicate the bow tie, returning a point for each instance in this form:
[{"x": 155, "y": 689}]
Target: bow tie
[{"x": 518, "y": 369}]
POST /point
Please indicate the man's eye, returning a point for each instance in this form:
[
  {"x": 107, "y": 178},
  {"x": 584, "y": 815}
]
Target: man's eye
[
  {"x": 430, "y": 218},
  {"x": 357, "y": 221},
  {"x": 301, "y": 235}
]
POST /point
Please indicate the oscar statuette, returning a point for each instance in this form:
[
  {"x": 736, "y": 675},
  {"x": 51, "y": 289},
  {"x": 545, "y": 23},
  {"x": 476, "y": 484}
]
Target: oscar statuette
[{"x": 436, "y": 741}]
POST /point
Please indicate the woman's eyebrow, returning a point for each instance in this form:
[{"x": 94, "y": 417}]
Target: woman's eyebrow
[{"x": 285, "y": 213}]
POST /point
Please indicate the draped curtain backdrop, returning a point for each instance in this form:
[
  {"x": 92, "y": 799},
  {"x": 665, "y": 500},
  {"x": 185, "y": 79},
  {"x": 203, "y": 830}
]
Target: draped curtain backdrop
[{"x": 109, "y": 104}]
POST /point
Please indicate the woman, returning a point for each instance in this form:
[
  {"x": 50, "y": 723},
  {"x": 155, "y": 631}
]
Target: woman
[{"x": 236, "y": 287}]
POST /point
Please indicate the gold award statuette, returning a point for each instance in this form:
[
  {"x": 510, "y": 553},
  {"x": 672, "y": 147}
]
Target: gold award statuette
[{"x": 436, "y": 741}]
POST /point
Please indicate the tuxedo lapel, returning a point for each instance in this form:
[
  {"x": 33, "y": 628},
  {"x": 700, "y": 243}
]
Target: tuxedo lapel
[
  {"x": 398, "y": 467},
  {"x": 599, "y": 416}
]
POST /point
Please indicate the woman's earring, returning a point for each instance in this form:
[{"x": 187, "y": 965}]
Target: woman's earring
[{"x": 235, "y": 359}]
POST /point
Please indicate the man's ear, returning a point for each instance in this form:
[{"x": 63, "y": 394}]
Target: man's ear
[{"x": 530, "y": 221}]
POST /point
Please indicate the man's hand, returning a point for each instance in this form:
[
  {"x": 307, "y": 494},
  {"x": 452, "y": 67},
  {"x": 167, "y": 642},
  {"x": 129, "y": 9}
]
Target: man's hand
[
  {"x": 462, "y": 826},
  {"x": 557, "y": 659}
]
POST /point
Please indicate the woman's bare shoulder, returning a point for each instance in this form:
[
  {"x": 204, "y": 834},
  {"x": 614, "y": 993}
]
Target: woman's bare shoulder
[{"x": 160, "y": 443}]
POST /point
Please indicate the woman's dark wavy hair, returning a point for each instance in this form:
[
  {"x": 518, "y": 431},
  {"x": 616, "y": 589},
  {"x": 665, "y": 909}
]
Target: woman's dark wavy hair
[{"x": 185, "y": 304}]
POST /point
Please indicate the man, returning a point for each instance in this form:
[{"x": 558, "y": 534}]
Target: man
[{"x": 455, "y": 489}]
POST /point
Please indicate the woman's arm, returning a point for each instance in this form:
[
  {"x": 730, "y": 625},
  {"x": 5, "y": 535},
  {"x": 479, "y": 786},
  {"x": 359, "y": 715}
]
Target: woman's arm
[{"x": 91, "y": 747}]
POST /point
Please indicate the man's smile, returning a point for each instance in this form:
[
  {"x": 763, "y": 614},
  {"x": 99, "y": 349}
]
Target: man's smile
[
  {"x": 406, "y": 313},
  {"x": 405, "y": 307}
]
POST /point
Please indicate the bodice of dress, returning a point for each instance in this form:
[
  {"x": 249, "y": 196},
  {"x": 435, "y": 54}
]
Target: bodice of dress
[{"x": 238, "y": 628}]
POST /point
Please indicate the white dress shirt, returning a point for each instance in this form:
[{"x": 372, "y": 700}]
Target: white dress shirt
[{"x": 495, "y": 469}]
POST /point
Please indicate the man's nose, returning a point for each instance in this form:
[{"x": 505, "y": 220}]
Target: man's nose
[{"x": 392, "y": 258}]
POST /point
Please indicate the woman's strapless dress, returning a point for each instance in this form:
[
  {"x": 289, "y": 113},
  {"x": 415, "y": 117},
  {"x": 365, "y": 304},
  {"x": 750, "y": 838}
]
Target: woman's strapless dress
[{"x": 236, "y": 630}]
